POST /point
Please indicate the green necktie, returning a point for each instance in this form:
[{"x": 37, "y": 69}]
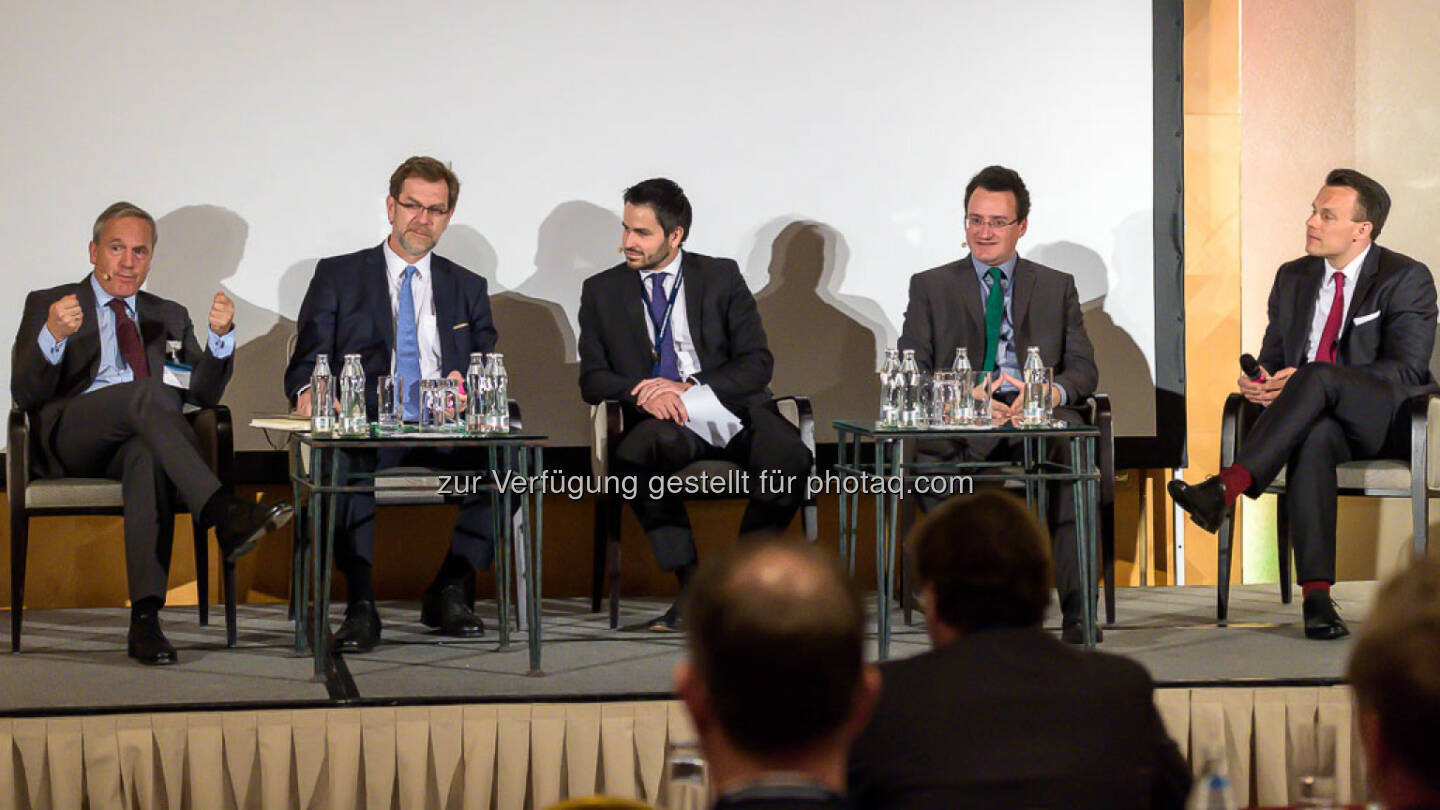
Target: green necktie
[{"x": 994, "y": 317}]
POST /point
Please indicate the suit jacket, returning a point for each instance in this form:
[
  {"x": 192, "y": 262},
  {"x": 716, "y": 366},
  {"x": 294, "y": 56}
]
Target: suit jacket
[
  {"x": 615, "y": 345},
  {"x": 43, "y": 390},
  {"x": 947, "y": 310},
  {"x": 1389, "y": 328},
  {"x": 1012, "y": 717},
  {"x": 347, "y": 311}
]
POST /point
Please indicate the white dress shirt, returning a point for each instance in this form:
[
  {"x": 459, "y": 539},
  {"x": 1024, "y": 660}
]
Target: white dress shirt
[
  {"x": 1326, "y": 297},
  {"x": 420, "y": 291},
  {"x": 687, "y": 359}
]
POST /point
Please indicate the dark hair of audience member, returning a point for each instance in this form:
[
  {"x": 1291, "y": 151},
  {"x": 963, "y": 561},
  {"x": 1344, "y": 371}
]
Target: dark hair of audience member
[
  {"x": 1395, "y": 669},
  {"x": 988, "y": 561},
  {"x": 781, "y": 658}
]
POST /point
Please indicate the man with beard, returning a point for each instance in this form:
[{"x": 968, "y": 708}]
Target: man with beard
[
  {"x": 408, "y": 312},
  {"x": 653, "y": 327}
]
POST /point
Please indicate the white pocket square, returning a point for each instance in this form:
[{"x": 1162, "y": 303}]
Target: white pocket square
[{"x": 1366, "y": 318}]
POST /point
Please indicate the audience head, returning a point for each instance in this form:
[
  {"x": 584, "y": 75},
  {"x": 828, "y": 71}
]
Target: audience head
[
  {"x": 1346, "y": 216},
  {"x": 775, "y": 669},
  {"x": 122, "y": 243},
  {"x": 981, "y": 561},
  {"x": 423, "y": 192},
  {"x": 657, "y": 222},
  {"x": 1395, "y": 672},
  {"x": 997, "y": 211}
]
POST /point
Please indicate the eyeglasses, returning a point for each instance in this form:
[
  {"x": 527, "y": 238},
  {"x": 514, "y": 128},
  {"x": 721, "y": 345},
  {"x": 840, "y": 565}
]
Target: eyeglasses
[
  {"x": 416, "y": 209},
  {"x": 995, "y": 223}
]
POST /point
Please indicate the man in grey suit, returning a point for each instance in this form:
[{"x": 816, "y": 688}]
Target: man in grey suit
[{"x": 996, "y": 305}]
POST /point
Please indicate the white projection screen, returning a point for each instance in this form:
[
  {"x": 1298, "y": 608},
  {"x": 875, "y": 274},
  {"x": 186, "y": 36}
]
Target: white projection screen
[{"x": 824, "y": 145}]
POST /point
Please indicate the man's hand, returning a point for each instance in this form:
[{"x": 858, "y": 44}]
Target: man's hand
[
  {"x": 302, "y": 405},
  {"x": 645, "y": 390},
  {"x": 65, "y": 317},
  {"x": 667, "y": 405},
  {"x": 222, "y": 314},
  {"x": 464, "y": 395},
  {"x": 1265, "y": 392}
]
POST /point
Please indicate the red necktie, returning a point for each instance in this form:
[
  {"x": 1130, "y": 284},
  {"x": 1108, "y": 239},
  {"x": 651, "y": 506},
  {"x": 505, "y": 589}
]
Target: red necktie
[
  {"x": 129, "y": 339},
  {"x": 1332, "y": 323}
]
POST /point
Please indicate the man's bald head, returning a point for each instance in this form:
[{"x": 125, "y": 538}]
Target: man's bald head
[{"x": 775, "y": 632}]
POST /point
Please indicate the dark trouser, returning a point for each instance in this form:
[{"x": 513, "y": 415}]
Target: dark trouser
[
  {"x": 768, "y": 444},
  {"x": 135, "y": 432},
  {"x": 472, "y": 538},
  {"x": 1325, "y": 415},
  {"x": 1060, "y": 498}
]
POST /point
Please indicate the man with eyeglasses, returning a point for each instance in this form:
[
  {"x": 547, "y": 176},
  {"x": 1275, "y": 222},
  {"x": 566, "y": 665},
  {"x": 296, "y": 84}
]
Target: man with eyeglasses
[
  {"x": 996, "y": 305},
  {"x": 408, "y": 312}
]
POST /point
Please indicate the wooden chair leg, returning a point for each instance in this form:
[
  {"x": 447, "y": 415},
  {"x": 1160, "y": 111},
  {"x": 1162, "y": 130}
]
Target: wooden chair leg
[
  {"x": 1282, "y": 541},
  {"x": 202, "y": 568},
  {"x": 19, "y": 545},
  {"x": 1224, "y": 540}
]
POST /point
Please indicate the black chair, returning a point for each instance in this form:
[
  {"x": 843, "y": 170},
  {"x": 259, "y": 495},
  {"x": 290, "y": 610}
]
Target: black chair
[
  {"x": 608, "y": 428},
  {"x": 45, "y": 497},
  {"x": 1418, "y": 479}
]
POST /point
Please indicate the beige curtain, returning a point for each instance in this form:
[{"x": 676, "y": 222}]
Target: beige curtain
[{"x": 517, "y": 756}]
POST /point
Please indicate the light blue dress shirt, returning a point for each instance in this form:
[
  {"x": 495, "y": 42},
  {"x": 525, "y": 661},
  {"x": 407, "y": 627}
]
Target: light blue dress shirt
[{"x": 1007, "y": 359}]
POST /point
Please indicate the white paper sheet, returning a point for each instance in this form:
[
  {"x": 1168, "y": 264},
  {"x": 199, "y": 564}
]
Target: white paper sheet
[{"x": 709, "y": 419}]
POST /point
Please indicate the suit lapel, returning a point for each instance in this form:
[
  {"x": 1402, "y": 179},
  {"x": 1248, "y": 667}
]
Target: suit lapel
[
  {"x": 1024, "y": 283},
  {"x": 376, "y": 287},
  {"x": 1305, "y": 295},
  {"x": 444, "y": 295},
  {"x": 86, "y": 341},
  {"x": 632, "y": 304},
  {"x": 152, "y": 331},
  {"x": 1369, "y": 269},
  {"x": 693, "y": 287},
  {"x": 972, "y": 296}
]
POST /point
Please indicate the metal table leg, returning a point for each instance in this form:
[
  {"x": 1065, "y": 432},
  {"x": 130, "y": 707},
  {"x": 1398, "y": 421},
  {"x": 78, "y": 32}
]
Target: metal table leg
[{"x": 533, "y": 505}]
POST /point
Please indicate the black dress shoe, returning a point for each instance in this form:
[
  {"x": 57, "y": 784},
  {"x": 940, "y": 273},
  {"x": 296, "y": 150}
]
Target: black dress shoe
[
  {"x": 245, "y": 523},
  {"x": 360, "y": 631},
  {"x": 667, "y": 622},
  {"x": 147, "y": 644},
  {"x": 1204, "y": 501},
  {"x": 1072, "y": 630},
  {"x": 1322, "y": 618},
  {"x": 447, "y": 609}
]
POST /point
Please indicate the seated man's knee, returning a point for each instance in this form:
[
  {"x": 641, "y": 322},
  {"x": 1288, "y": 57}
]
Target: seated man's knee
[{"x": 648, "y": 444}]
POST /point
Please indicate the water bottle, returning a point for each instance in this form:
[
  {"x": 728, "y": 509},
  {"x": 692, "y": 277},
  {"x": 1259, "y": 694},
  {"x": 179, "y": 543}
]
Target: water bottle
[
  {"x": 497, "y": 416},
  {"x": 322, "y": 421},
  {"x": 477, "y": 385},
  {"x": 1037, "y": 394},
  {"x": 889, "y": 390},
  {"x": 1212, "y": 789},
  {"x": 964, "y": 379},
  {"x": 353, "y": 421},
  {"x": 911, "y": 406}
]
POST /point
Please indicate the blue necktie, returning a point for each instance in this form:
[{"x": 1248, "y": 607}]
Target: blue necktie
[
  {"x": 407, "y": 346},
  {"x": 669, "y": 366}
]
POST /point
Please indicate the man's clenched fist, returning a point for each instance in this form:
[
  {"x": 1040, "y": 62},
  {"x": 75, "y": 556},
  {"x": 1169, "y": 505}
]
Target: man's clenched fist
[
  {"x": 65, "y": 317},
  {"x": 222, "y": 314}
]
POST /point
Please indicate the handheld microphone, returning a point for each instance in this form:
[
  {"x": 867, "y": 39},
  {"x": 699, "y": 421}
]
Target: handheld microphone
[{"x": 1251, "y": 368}]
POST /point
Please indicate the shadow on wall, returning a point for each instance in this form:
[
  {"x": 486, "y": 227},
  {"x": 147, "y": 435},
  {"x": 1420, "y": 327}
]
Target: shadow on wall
[
  {"x": 200, "y": 248},
  {"x": 574, "y": 241},
  {"x": 825, "y": 345},
  {"x": 1124, "y": 372}
]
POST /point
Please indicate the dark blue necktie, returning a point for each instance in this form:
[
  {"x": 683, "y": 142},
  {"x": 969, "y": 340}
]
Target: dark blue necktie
[
  {"x": 407, "y": 345},
  {"x": 669, "y": 367}
]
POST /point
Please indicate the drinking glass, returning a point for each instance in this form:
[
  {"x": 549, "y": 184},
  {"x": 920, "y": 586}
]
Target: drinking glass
[
  {"x": 1315, "y": 769},
  {"x": 390, "y": 404},
  {"x": 943, "y": 399},
  {"x": 686, "y": 780},
  {"x": 430, "y": 406},
  {"x": 981, "y": 387},
  {"x": 454, "y": 416}
]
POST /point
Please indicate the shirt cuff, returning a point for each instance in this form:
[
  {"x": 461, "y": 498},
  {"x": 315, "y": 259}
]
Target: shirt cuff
[
  {"x": 1064, "y": 397},
  {"x": 222, "y": 346},
  {"x": 50, "y": 347}
]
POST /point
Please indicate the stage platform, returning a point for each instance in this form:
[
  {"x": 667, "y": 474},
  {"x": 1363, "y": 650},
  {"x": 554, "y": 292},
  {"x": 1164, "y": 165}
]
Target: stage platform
[{"x": 74, "y": 661}]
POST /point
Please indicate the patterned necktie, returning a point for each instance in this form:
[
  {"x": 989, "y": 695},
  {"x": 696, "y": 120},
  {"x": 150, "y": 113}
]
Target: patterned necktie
[
  {"x": 129, "y": 339},
  {"x": 994, "y": 317},
  {"x": 407, "y": 345},
  {"x": 669, "y": 365},
  {"x": 1328, "y": 347}
]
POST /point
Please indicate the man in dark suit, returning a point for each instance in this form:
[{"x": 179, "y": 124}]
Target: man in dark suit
[
  {"x": 409, "y": 312},
  {"x": 997, "y": 305},
  {"x": 1351, "y": 329},
  {"x": 775, "y": 677},
  {"x": 104, "y": 369},
  {"x": 1000, "y": 714},
  {"x": 710, "y": 335}
]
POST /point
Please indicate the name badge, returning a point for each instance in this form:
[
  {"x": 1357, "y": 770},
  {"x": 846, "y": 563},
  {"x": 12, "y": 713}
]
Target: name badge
[{"x": 177, "y": 374}]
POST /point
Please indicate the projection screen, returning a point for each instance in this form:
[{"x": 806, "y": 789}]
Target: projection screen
[{"x": 824, "y": 145}]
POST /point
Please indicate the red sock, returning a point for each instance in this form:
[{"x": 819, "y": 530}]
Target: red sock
[
  {"x": 1236, "y": 480},
  {"x": 1306, "y": 588}
]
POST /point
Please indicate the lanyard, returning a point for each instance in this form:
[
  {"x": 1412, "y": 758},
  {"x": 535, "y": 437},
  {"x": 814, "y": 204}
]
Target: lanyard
[{"x": 662, "y": 328}]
